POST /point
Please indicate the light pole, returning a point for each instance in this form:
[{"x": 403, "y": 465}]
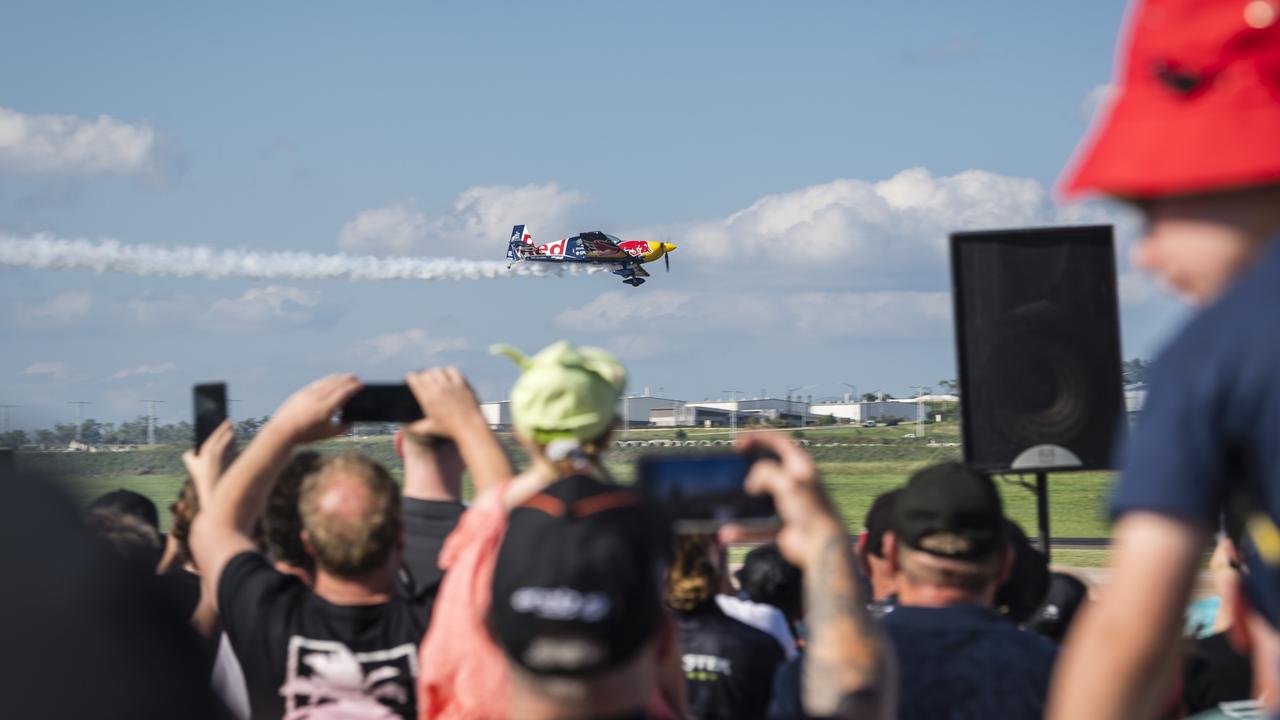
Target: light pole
[
  {"x": 796, "y": 389},
  {"x": 854, "y": 388},
  {"x": 733, "y": 412},
  {"x": 626, "y": 417},
  {"x": 79, "y": 415},
  {"x": 151, "y": 420},
  {"x": 920, "y": 408}
]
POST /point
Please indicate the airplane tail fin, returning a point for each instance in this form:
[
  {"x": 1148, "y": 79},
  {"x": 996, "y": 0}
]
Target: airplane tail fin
[{"x": 520, "y": 236}]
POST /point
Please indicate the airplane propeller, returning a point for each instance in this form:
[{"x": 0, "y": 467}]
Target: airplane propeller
[{"x": 666, "y": 253}]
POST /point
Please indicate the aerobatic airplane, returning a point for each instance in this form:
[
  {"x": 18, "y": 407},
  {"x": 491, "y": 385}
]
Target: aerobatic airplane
[{"x": 592, "y": 247}]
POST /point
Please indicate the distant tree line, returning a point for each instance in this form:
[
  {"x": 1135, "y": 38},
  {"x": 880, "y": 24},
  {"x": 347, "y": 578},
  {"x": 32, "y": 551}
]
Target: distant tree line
[
  {"x": 130, "y": 432},
  {"x": 134, "y": 432}
]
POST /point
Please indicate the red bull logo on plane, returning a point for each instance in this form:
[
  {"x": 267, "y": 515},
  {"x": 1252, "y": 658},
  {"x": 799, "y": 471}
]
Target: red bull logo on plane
[{"x": 624, "y": 257}]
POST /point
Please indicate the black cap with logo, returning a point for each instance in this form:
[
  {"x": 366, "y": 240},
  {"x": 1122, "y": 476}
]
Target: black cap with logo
[
  {"x": 577, "y": 585},
  {"x": 951, "y": 511}
]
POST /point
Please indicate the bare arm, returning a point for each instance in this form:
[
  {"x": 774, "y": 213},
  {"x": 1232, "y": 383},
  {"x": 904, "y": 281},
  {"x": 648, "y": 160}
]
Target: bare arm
[
  {"x": 204, "y": 468},
  {"x": 432, "y": 467},
  {"x": 223, "y": 529},
  {"x": 1115, "y": 660},
  {"x": 452, "y": 412},
  {"x": 847, "y": 664}
]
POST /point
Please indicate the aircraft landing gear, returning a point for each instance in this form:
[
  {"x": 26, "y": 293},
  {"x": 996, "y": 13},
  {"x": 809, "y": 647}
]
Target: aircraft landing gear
[{"x": 634, "y": 281}]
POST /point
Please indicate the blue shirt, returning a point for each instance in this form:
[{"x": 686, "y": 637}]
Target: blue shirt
[
  {"x": 965, "y": 661},
  {"x": 1212, "y": 413}
]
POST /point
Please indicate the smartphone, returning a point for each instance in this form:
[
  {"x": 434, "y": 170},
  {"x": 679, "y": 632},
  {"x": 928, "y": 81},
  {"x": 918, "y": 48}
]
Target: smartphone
[
  {"x": 382, "y": 403},
  {"x": 209, "y": 402},
  {"x": 702, "y": 491}
]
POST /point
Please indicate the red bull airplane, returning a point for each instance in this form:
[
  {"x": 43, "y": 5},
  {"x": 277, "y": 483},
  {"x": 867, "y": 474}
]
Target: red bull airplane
[{"x": 593, "y": 247}]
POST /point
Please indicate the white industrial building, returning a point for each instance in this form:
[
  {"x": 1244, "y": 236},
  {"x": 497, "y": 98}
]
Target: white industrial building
[
  {"x": 637, "y": 410},
  {"x": 690, "y": 416},
  {"x": 1134, "y": 398},
  {"x": 742, "y": 411},
  {"x": 648, "y": 411},
  {"x": 497, "y": 414},
  {"x": 862, "y": 411},
  {"x": 634, "y": 410}
]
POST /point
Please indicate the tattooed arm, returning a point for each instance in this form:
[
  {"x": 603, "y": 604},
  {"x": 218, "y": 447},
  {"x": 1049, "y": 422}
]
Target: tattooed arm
[{"x": 847, "y": 663}]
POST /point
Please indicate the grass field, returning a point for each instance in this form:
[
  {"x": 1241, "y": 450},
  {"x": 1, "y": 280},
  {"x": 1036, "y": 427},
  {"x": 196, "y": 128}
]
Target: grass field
[{"x": 865, "y": 463}]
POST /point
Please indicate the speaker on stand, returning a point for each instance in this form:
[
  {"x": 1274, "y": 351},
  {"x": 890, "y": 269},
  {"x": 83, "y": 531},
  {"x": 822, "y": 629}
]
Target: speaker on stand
[{"x": 1038, "y": 351}]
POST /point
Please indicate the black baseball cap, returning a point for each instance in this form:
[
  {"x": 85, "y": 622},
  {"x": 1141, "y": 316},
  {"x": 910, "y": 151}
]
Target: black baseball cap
[
  {"x": 879, "y": 519},
  {"x": 578, "y": 581},
  {"x": 951, "y": 511}
]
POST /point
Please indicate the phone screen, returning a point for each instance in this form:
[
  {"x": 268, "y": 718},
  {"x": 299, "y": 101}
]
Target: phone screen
[
  {"x": 382, "y": 403},
  {"x": 210, "y": 404},
  {"x": 702, "y": 491}
]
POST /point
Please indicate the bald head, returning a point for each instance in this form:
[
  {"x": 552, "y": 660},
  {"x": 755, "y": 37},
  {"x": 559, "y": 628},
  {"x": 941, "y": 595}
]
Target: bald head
[{"x": 350, "y": 510}]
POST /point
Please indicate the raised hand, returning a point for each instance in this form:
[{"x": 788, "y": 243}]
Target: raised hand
[
  {"x": 307, "y": 415},
  {"x": 447, "y": 401},
  {"x": 207, "y": 465}
]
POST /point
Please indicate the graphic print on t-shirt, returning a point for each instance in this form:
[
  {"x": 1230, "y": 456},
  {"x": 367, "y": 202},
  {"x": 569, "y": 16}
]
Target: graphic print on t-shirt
[
  {"x": 706, "y": 668},
  {"x": 325, "y": 679}
]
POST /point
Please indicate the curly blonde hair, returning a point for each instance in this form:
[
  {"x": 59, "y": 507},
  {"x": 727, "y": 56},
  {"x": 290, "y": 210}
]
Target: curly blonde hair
[{"x": 694, "y": 578}]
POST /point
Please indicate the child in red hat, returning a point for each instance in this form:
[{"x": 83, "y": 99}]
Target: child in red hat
[{"x": 1193, "y": 141}]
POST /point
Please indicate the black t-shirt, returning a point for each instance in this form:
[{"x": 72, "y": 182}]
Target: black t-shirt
[
  {"x": 298, "y": 650},
  {"x": 426, "y": 524},
  {"x": 965, "y": 661},
  {"x": 183, "y": 587},
  {"x": 728, "y": 665},
  {"x": 1213, "y": 672}
]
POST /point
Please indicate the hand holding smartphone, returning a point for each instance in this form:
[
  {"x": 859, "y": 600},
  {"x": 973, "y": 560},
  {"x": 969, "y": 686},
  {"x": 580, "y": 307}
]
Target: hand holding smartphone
[
  {"x": 209, "y": 404},
  {"x": 703, "y": 491},
  {"x": 382, "y": 403}
]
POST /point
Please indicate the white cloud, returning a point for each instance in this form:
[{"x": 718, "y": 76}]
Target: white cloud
[
  {"x": 69, "y": 145},
  {"x": 55, "y": 370},
  {"x": 487, "y": 213},
  {"x": 411, "y": 345},
  {"x": 890, "y": 233},
  {"x": 158, "y": 369},
  {"x": 477, "y": 225},
  {"x": 397, "y": 228},
  {"x": 273, "y": 304},
  {"x": 61, "y": 308}
]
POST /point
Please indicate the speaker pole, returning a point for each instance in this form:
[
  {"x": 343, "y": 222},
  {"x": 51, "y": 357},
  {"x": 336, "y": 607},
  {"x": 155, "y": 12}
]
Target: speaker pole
[{"x": 1042, "y": 511}]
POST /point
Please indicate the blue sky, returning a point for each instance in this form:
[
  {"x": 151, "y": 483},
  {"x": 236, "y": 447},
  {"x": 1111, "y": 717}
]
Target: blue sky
[{"x": 809, "y": 159}]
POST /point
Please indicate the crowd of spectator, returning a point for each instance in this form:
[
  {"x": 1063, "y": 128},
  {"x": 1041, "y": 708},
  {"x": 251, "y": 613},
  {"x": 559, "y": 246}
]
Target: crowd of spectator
[
  {"x": 298, "y": 584},
  {"x": 315, "y": 585}
]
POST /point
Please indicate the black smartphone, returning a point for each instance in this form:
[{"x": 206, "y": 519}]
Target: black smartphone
[
  {"x": 382, "y": 403},
  {"x": 702, "y": 491},
  {"x": 209, "y": 402}
]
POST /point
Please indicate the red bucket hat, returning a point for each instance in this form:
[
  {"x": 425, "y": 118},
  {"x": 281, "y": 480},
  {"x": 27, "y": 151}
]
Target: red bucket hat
[{"x": 1197, "y": 105}]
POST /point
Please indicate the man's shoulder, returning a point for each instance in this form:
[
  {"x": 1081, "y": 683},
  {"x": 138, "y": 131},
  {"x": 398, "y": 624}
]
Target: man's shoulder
[
  {"x": 248, "y": 566},
  {"x": 748, "y": 637},
  {"x": 249, "y": 584},
  {"x": 984, "y": 624}
]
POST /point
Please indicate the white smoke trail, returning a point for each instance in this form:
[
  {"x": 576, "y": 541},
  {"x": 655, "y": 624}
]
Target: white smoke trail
[{"x": 45, "y": 252}]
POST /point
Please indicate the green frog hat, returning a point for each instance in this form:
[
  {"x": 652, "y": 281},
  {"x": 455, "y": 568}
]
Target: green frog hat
[{"x": 566, "y": 393}]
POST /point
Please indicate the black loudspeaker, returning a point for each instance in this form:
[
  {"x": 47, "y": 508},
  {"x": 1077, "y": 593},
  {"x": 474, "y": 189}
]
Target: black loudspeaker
[{"x": 1038, "y": 348}]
